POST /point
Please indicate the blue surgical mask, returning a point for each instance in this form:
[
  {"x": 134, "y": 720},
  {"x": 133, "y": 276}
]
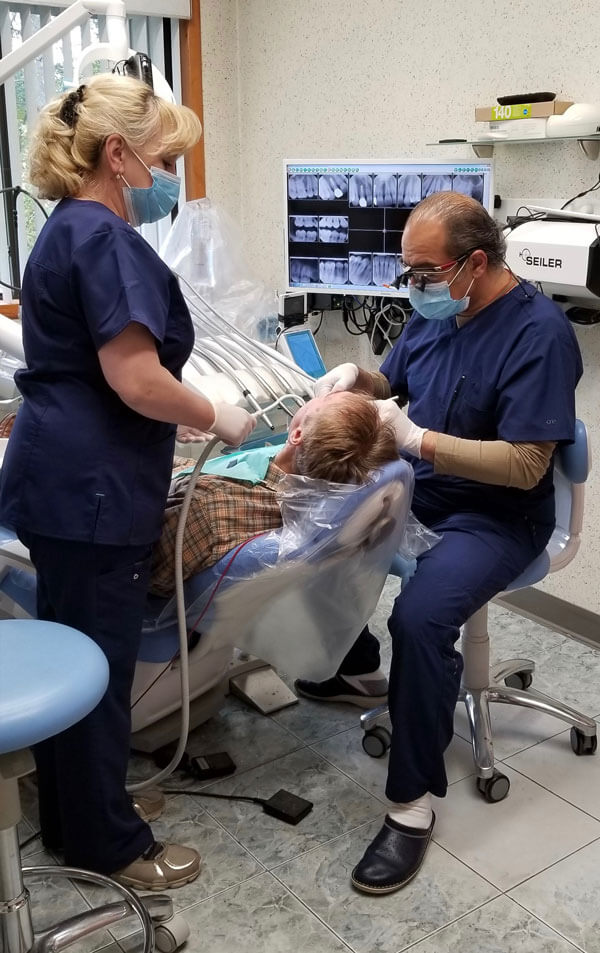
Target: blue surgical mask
[
  {"x": 149, "y": 204},
  {"x": 436, "y": 303}
]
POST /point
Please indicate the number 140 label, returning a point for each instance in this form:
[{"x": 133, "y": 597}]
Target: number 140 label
[{"x": 515, "y": 111}]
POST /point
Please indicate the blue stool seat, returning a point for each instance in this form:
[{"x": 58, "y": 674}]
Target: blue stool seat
[{"x": 51, "y": 676}]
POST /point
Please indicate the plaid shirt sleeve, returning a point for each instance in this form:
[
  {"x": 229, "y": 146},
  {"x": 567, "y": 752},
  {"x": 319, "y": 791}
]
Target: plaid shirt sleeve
[{"x": 223, "y": 514}]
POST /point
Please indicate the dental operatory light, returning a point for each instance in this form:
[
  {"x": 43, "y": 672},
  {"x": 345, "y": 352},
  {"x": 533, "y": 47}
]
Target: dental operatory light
[{"x": 112, "y": 52}]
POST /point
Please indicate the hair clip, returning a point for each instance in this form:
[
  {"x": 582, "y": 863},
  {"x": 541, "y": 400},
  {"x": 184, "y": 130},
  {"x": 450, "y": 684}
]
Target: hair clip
[{"x": 68, "y": 112}]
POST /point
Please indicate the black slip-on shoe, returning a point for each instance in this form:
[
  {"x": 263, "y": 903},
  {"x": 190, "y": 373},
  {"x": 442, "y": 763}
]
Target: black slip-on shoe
[
  {"x": 336, "y": 689},
  {"x": 393, "y": 858}
]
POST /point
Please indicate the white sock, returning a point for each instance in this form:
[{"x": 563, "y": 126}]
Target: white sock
[
  {"x": 416, "y": 813},
  {"x": 361, "y": 682}
]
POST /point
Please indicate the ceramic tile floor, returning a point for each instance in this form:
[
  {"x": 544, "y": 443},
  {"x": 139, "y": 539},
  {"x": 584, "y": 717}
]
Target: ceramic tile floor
[{"x": 522, "y": 875}]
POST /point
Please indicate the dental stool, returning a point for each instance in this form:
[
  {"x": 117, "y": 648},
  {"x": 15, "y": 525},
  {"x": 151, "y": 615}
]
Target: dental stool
[
  {"x": 509, "y": 682},
  {"x": 51, "y": 676}
]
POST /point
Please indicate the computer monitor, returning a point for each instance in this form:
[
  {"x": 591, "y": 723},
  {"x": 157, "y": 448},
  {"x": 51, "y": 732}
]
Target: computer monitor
[
  {"x": 344, "y": 220},
  {"x": 300, "y": 345}
]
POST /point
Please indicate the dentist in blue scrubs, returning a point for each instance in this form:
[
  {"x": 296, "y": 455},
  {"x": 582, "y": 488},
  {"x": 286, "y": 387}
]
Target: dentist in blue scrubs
[
  {"x": 489, "y": 367},
  {"x": 106, "y": 334}
]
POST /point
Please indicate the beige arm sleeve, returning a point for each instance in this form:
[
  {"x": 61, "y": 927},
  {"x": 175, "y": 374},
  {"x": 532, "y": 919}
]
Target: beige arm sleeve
[{"x": 520, "y": 465}]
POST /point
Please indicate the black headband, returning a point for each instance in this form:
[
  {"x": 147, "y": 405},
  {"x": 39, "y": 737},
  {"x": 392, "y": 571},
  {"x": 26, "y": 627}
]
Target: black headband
[{"x": 68, "y": 112}]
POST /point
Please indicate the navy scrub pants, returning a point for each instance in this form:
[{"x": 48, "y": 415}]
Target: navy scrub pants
[
  {"x": 477, "y": 557},
  {"x": 84, "y": 807}
]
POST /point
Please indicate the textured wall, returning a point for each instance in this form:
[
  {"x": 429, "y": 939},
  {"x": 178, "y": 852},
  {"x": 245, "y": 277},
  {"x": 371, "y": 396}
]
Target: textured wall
[
  {"x": 379, "y": 79},
  {"x": 221, "y": 89}
]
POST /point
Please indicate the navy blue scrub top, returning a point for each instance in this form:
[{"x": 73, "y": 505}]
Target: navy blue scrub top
[
  {"x": 508, "y": 374},
  {"x": 80, "y": 464}
]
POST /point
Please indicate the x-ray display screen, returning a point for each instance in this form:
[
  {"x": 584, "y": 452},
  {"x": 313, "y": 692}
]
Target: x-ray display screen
[{"x": 344, "y": 220}]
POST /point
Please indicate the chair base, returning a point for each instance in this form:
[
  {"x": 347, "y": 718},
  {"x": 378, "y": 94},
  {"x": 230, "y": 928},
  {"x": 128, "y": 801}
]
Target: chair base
[
  {"x": 477, "y": 703},
  {"x": 483, "y": 684},
  {"x": 160, "y": 928}
]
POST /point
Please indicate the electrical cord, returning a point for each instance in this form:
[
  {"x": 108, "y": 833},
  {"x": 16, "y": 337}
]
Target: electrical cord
[
  {"x": 19, "y": 190},
  {"x": 318, "y": 327},
  {"x": 222, "y": 797},
  {"x": 593, "y": 188},
  {"x": 514, "y": 221},
  {"x": 383, "y": 323},
  {"x": 382, "y": 319}
]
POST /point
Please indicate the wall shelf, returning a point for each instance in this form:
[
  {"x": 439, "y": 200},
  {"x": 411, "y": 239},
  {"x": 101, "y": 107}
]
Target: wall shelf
[{"x": 484, "y": 148}]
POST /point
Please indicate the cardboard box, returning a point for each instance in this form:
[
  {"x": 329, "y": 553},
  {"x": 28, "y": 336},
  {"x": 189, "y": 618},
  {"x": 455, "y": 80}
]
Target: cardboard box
[
  {"x": 516, "y": 129},
  {"x": 500, "y": 113}
]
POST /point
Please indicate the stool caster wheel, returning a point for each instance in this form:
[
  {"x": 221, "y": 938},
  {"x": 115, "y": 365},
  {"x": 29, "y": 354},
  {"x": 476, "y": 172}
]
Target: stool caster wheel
[
  {"x": 495, "y": 788},
  {"x": 583, "y": 744},
  {"x": 171, "y": 934},
  {"x": 520, "y": 680},
  {"x": 376, "y": 742}
]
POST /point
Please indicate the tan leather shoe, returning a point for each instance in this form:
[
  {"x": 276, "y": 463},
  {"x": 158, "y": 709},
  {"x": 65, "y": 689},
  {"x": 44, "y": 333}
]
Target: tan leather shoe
[
  {"x": 149, "y": 804},
  {"x": 161, "y": 867}
]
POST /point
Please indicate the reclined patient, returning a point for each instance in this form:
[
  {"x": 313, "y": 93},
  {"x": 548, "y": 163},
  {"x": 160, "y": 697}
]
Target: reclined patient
[{"x": 339, "y": 438}]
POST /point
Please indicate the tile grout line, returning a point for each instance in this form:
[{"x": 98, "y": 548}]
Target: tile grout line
[
  {"x": 312, "y": 912},
  {"x": 550, "y": 927},
  {"x": 555, "y": 863},
  {"x": 549, "y": 790},
  {"x": 438, "y": 930}
]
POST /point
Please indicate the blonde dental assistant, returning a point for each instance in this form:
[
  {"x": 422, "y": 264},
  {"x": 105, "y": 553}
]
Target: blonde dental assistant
[{"x": 87, "y": 469}]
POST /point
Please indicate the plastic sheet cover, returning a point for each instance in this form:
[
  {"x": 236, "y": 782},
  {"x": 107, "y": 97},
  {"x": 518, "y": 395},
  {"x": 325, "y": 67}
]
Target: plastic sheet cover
[
  {"x": 204, "y": 246},
  {"x": 298, "y": 597}
]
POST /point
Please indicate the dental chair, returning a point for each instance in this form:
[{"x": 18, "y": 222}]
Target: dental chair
[
  {"x": 52, "y": 676},
  {"x": 298, "y": 609},
  {"x": 300, "y": 612},
  {"x": 509, "y": 682}
]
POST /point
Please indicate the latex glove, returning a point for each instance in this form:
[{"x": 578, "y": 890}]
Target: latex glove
[
  {"x": 191, "y": 435},
  {"x": 342, "y": 377},
  {"x": 232, "y": 424},
  {"x": 408, "y": 435}
]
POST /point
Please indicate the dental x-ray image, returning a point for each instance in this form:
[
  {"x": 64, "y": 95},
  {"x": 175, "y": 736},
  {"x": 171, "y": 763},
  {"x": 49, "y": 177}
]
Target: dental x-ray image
[
  {"x": 302, "y": 186},
  {"x": 361, "y": 191},
  {"x": 436, "y": 183},
  {"x": 333, "y": 228},
  {"x": 333, "y": 271},
  {"x": 304, "y": 270},
  {"x": 409, "y": 190},
  {"x": 384, "y": 191},
  {"x": 360, "y": 269},
  {"x": 304, "y": 228},
  {"x": 344, "y": 220},
  {"x": 332, "y": 187},
  {"x": 384, "y": 269},
  {"x": 469, "y": 185}
]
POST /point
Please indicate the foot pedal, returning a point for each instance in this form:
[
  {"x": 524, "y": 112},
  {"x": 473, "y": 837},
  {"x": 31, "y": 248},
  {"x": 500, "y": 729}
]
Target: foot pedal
[
  {"x": 264, "y": 689},
  {"x": 287, "y": 807}
]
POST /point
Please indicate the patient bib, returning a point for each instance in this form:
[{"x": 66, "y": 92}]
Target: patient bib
[{"x": 250, "y": 466}]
